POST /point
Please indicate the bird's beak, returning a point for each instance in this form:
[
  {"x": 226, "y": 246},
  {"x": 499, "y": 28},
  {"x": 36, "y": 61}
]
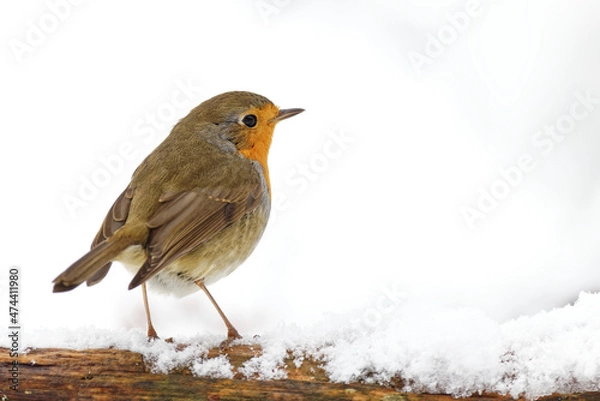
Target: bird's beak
[{"x": 286, "y": 113}]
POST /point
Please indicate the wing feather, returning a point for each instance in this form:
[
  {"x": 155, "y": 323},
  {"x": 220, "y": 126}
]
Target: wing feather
[
  {"x": 114, "y": 220},
  {"x": 186, "y": 220}
]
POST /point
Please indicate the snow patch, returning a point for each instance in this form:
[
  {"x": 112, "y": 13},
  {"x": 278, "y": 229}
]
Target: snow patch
[{"x": 427, "y": 348}]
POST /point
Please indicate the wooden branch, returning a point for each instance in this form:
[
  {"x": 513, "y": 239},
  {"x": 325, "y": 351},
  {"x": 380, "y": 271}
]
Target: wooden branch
[{"x": 112, "y": 375}]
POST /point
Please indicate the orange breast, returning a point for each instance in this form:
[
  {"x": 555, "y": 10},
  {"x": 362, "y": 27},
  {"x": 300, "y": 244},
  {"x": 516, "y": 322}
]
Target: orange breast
[
  {"x": 260, "y": 154},
  {"x": 259, "y": 140}
]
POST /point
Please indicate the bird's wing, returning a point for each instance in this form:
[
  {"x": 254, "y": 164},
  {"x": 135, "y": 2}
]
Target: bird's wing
[
  {"x": 114, "y": 220},
  {"x": 185, "y": 220}
]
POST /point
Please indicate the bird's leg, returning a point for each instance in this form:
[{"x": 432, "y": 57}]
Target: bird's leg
[
  {"x": 151, "y": 332},
  {"x": 232, "y": 333}
]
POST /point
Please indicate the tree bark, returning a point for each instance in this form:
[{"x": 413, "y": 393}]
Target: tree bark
[{"x": 111, "y": 374}]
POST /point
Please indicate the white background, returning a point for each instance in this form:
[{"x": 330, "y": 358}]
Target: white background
[{"x": 381, "y": 214}]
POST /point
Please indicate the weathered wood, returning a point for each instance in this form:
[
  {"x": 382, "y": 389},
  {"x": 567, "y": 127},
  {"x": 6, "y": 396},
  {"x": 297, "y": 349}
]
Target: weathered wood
[{"x": 112, "y": 375}]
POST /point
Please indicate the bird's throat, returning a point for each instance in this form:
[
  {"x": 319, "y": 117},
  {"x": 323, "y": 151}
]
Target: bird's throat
[{"x": 259, "y": 151}]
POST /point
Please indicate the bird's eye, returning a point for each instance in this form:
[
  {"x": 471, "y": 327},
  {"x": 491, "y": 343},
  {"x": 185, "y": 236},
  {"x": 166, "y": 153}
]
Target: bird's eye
[{"x": 250, "y": 120}]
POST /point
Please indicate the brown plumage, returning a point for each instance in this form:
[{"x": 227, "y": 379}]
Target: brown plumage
[{"x": 196, "y": 206}]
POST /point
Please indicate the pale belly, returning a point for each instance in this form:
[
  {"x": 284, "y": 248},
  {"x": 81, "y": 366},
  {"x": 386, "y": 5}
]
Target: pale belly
[{"x": 210, "y": 262}]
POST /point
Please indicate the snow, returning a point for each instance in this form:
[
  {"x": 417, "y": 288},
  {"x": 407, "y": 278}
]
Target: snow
[
  {"x": 218, "y": 367},
  {"x": 434, "y": 349}
]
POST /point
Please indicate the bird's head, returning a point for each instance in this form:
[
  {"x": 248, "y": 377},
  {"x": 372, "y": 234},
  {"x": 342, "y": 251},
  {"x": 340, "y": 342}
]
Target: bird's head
[{"x": 245, "y": 119}]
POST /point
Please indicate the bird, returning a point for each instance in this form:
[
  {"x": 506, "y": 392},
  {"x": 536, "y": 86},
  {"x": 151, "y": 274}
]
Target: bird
[{"x": 196, "y": 206}]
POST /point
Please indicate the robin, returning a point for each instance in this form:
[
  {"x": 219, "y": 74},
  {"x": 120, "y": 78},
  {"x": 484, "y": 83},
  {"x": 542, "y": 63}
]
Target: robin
[{"x": 195, "y": 208}]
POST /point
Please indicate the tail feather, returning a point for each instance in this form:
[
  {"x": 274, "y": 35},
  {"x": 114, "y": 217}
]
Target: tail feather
[
  {"x": 99, "y": 275},
  {"x": 90, "y": 265}
]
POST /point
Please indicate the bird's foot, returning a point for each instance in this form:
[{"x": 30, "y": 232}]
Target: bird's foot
[
  {"x": 232, "y": 336},
  {"x": 152, "y": 335}
]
